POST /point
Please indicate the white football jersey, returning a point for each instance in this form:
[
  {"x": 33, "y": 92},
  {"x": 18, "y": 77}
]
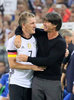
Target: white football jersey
[{"x": 28, "y": 47}]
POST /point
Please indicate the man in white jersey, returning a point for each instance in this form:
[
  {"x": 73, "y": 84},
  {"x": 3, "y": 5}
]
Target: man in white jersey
[{"x": 21, "y": 73}]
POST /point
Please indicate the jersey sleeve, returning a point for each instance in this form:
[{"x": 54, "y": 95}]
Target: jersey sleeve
[
  {"x": 56, "y": 54},
  {"x": 11, "y": 49}
]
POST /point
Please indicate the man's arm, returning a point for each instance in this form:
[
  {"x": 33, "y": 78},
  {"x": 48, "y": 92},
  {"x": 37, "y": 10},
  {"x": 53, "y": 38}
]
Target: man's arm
[
  {"x": 18, "y": 33},
  {"x": 12, "y": 53},
  {"x": 72, "y": 70},
  {"x": 0, "y": 85},
  {"x": 38, "y": 31},
  {"x": 14, "y": 65},
  {"x": 54, "y": 55},
  {"x": 18, "y": 30},
  {"x": 73, "y": 88}
]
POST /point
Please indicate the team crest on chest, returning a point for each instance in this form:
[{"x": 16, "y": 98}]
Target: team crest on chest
[{"x": 29, "y": 45}]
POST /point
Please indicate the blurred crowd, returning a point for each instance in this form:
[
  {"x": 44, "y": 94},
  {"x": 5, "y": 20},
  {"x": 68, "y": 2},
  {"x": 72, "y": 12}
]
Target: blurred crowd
[{"x": 8, "y": 23}]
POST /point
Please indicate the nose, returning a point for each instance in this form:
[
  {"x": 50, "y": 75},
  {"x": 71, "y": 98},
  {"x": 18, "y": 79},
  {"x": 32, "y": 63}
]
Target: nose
[{"x": 44, "y": 23}]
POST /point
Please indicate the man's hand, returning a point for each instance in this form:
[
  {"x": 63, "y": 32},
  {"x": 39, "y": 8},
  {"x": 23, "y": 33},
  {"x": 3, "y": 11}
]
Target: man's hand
[
  {"x": 23, "y": 58},
  {"x": 66, "y": 53},
  {"x": 73, "y": 89},
  {"x": 17, "y": 41},
  {"x": 37, "y": 68}
]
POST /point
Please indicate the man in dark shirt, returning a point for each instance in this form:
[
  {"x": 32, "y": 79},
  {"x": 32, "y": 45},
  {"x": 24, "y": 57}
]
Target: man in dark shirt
[
  {"x": 70, "y": 76},
  {"x": 51, "y": 51},
  {"x": 67, "y": 35}
]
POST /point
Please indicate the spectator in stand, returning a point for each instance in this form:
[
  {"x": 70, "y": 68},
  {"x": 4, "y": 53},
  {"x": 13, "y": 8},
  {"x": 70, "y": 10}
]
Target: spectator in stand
[
  {"x": 4, "y": 83},
  {"x": 22, "y": 6},
  {"x": 72, "y": 13},
  {"x": 63, "y": 10},
  {"x": 2, "y": 68},
  {"x": 70, "y": 76},
  {"x": 2, "y": 36},
  {"x": 39, "y": 15},
  {"x": 49, "y": 3},
  {"x": 72, "y": 8},
  {"x": 71, "y": 18},
  {"x": 35, "y": 4},
  {"x": 65, "y": 13},
  {"x": 67, "y": 34},
  {"x": 70, "y": 2},
  {"x": 73, "y": 36}
]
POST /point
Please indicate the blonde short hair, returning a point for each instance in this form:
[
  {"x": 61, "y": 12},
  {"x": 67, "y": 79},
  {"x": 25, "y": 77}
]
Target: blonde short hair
[{"x": 24, "y": 16}]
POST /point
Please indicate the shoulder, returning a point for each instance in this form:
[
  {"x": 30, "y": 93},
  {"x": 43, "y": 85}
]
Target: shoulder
[
  {"x": 61, "y": 43},
  {"x": 12, "y": 38},
  {"x": 11, "y": 43},
  {"x": 61, "y": 40},
  {"x": 39, "y": 32}
]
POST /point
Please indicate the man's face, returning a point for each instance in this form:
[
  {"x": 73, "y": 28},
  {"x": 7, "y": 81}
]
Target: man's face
[
  {"x": 48, "y": 26},
  {"x": 73, "y": 37},
  {"x": 68, "y": 39},
  {"x": 30, "y": 25}
]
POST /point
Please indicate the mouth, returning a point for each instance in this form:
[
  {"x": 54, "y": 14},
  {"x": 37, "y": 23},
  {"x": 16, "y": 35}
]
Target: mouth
[
  {"x": 33, "y": 29},
  {"x": 45, "y": 27}
]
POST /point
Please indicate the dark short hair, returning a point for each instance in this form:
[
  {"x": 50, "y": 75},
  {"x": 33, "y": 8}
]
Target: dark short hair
[{"x": 54, "y": 18}]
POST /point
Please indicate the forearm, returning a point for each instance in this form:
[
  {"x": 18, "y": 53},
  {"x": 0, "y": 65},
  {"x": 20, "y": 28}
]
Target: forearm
[
  {"x": 73, "y": 88},
  {"x": 15, "y": 65},
  {"x": 26, "y": 67},
  {"x": 38, "y": 61},
  {"x": 62, "y": 80},
  {"x": 53, "y": 57},
  {"x": 45, "y": 61},
  {"x": 20, "y": 66}
]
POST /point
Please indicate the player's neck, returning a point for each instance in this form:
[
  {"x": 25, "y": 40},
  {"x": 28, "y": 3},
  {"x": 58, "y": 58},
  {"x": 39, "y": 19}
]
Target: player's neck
[
  {"x": 26, "y": 35},
  {"x": 52, "y": 35}
]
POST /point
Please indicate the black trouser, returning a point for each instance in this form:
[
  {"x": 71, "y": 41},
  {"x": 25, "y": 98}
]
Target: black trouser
[{"x": 19, "y": 93}]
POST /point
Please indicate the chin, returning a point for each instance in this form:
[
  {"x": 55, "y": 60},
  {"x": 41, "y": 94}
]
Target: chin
[
  {"x": 33, "y": 32},
  {"x": 45, "y": 29}
]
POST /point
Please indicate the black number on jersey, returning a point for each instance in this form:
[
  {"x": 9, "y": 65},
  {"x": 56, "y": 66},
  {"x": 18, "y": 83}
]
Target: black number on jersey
[{"x": 30, "y": 53}]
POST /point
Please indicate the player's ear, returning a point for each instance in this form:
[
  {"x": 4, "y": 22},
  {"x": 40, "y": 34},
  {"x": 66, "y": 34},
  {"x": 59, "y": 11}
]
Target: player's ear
[
  {"x": 23, "y": 25},
  {"x": 54, "y": 26}
]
